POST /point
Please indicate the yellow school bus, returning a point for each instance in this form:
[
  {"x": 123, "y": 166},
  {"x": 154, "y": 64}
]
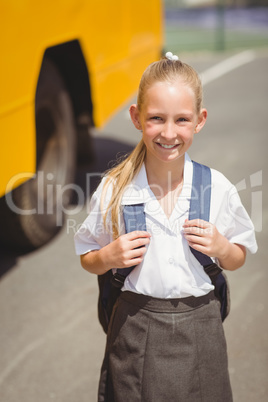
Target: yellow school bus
[{"x": 66, "y": 65}]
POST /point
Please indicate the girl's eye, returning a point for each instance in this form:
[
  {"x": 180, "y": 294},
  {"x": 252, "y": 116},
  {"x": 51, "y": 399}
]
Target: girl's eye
[
  {"x": 155, "y": 118},
  {"x": 182, "y": 119}
]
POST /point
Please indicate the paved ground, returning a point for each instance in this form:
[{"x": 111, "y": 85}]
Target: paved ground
[{"x": 51, "y": 342}]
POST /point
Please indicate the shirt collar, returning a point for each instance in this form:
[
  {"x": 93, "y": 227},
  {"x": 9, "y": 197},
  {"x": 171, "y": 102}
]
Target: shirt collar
[{"x": 138, "y": 191}]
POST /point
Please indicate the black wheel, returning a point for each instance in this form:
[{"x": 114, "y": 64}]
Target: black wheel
[{"x": 41, "y": 201}]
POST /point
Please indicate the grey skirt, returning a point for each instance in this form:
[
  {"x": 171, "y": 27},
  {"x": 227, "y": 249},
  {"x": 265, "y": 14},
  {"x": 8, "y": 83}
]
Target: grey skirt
[{"x": 162, "y": 350}]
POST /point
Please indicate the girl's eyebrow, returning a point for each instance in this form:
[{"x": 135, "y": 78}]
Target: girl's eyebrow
[
  {"x": 189, "y": 115},
  {"x": 186, "y": 114}
]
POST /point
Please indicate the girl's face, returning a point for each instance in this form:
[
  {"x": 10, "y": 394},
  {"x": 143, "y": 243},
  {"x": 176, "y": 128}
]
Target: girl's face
[{"x": 168, "y": 120}]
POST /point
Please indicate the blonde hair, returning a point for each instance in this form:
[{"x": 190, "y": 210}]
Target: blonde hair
[
  {"x": 166, "y": 70},
  {"x": 120, "y": 176}
]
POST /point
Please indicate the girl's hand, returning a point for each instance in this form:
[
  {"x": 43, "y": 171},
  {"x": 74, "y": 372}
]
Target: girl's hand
[
  {"x": 127, "y": 250},
  {"x": 204, "y": 236}
]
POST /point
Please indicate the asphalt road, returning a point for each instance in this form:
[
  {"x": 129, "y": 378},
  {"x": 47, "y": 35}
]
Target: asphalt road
[{"x": 51, "y": 344}]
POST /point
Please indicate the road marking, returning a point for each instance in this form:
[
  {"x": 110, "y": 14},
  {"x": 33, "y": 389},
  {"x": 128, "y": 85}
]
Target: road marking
[{"x": 227, "y": 65}]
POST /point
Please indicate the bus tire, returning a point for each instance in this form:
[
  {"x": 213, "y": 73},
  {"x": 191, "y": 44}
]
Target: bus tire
[{"x": 42, "y": 200}]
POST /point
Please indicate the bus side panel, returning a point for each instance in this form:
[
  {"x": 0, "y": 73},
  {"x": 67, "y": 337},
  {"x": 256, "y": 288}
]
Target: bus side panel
[
  {"x": 118, "y": 38},
  {"x": 17, "y": 147}
]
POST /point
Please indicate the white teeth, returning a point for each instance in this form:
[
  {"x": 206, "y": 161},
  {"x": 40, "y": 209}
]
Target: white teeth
[{"x": 167, "y": 146}]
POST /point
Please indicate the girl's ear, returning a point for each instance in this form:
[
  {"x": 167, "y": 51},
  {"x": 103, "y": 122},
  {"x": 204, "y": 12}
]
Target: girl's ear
[
  {"x": 134, "y": 114},
  {"x": 201, "y": 120}
]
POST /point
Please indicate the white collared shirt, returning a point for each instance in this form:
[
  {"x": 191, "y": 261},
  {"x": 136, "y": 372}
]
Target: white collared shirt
[{"x": 169, "y": 269}]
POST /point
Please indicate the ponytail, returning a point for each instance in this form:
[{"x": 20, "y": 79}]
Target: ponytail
[{"x": 120, "y": 177}]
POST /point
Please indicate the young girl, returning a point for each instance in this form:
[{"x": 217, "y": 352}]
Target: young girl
[{"x": 165, "y": 340}]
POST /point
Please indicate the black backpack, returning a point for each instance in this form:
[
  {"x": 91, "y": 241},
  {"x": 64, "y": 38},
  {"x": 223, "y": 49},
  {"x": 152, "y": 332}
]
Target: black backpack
[{"x": 134, "y": 218}]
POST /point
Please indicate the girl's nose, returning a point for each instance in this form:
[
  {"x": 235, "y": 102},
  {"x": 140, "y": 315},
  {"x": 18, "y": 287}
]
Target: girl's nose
[{"x": 169, "y": 131}]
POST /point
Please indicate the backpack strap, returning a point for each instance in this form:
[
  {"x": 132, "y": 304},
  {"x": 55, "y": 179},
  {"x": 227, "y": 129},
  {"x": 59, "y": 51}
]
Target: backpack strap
[
  {"x": 200, "y": 209},
  {"x": 134, "y": 219}
]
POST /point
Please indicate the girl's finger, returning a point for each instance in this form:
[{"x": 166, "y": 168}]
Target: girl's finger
[
  {"x": 198, "y": 247},
  {"x": 198, "y": 240},
  {"x": 196, "y": 223},
  {"x": 140, "y": 242},
  {"x": 135, "y": 257},
  {"x": 194, "y": 231},
  {"x": 138, "y": 252},
  {"x": 137, "y": 234},
  {"x": 205, "y": 230}
]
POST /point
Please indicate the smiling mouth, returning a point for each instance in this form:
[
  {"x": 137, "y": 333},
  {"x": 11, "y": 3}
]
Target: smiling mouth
[{"x": 165, "y": 146}]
